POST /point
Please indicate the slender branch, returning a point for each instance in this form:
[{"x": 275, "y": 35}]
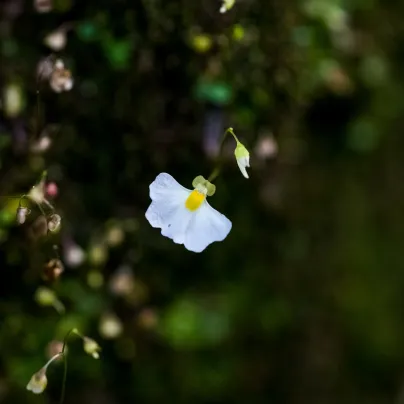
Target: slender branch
[
  {"x": 62, "y": 394},
  {"x": 41, "y": 209},
  {"x": 215, "y": 173},
  {"x": 52, "y": 359}
]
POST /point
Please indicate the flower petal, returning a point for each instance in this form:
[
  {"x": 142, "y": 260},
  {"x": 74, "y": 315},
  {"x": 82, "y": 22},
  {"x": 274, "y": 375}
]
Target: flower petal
[
  {"x": 242, "y": 163},
  {"x": 167, "y": 196},
  {"x": 207, "y": 225},
  {"x": 168, "y": 211},
  {"x": 176, "y": 224},
  {"x": 166, "y": 187}
]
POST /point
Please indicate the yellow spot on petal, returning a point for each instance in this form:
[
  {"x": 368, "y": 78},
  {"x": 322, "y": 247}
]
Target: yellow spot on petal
[{"x": 194, "y": 200}]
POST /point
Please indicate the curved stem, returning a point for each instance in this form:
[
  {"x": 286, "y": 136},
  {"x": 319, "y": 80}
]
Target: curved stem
[
  {"x": 215, "y": 173},
  {"x": 37, "y": 113},
  {"x": 62, "y": 394}
]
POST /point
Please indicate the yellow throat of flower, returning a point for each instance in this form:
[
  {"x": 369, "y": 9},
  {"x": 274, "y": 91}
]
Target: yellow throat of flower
[{"x": 194, "y": 200}]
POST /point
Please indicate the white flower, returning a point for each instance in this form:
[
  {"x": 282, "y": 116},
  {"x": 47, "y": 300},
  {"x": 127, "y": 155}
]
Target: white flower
[
  {"x": 185, "y": 216},
  {"x": 38, "y": 382},
  {"x": 243, "y": 158}
]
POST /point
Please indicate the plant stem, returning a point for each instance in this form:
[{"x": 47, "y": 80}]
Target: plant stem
[
  {"x": 215, "y": 173},
  {"x": 62, "y": 394}
]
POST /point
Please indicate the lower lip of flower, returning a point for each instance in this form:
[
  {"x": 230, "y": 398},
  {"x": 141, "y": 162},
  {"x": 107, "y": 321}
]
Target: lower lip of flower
[{"x": 194, "y": 200}]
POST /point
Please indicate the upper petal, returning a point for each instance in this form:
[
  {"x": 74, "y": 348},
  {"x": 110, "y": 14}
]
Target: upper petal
[
  {"x": 166, "y": 187},
  {"x": 206, "y": 226}
]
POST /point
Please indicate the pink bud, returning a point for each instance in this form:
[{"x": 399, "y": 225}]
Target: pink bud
[{"x": 52, "y": 189}]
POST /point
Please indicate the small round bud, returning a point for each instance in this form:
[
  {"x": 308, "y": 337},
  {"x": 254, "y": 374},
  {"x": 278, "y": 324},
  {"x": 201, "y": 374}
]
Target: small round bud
[
  {"x": 45, "y": 296},
  {"x": 61, "y": 78},
  {"x": 38, "y": 382},
  {"x": 42, "y": 144},
  {"x": 53, "y": 269},
  {"x": 43, "y": 6},
  {"x": 45, "y": 68},
  {"x": 22, "y": 214},
  {"x": 115, "y": 236},
  {"x": 147, "y": 318},
  {"x": 73, "y": 255},
  {"x": 122, "y": 282},
  {"x": 56, "y": 40},
  {"x": 110, "y": 326},
  {"x": 91, "y": 347},
  {"x": 51, "y": 189},
  {"x": 54, "y": 222}
]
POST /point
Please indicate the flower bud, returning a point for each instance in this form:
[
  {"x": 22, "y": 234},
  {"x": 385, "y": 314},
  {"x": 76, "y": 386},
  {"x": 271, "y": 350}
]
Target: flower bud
[
  {"x": 54, "y": 222},
  {"x": 91, "y": 347},
  {"x": 22, "y": 213},
  {"x": 37, "y": 192},
  {"x": 243, "y": 158},
  {"x": 42, "y": 144},
  {"x": 13, "y": 100},
  {"x": 147, "y": 318},
  {"x": 226, "y": 6},
  {"x": 38, "y": 382},
  {"x": 61, "y": 78},
  {"x": 56, "y": 40},
  {"x": 122, "y": 282},
  {"x": 110, "y": 326},
  {"x": 53, "y": 269},
  {"x": 51, "y": 189},
  {"x": 47, "y": 297},
  {"x": 43, "y": 6},
  {"x": 73, "y": 255}
]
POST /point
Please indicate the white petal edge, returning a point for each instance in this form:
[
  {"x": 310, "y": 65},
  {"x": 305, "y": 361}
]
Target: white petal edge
[
  {"x": 206, "y": 226},
  {"x": 165, "y": 186},
  {"x": 168, "y": 211}
]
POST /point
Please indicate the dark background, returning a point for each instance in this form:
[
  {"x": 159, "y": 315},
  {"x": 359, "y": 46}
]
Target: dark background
[{"x": 302, "y": 302}]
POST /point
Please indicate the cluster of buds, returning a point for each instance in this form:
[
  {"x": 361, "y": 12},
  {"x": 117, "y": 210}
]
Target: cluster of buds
[
  {"x": 45, "y": 223},
  {"x": 60, "y": 78}
]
